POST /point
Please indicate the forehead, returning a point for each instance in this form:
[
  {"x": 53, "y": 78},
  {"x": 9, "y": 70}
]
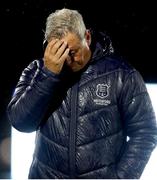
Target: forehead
[{"x": 72, "y": 40}]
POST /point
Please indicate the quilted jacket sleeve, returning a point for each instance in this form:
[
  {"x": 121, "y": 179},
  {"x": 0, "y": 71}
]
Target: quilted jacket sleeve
[
  {"x": 36, "y": 88},
  {"x": 140, "y": 127}
]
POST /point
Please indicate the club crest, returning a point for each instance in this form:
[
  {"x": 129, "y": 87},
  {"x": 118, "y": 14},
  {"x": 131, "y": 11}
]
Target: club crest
[{"x": 102, "y": 90}]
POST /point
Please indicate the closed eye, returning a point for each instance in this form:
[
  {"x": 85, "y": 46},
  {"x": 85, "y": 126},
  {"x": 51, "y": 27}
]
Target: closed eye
[{"x": 71, "y": 53}]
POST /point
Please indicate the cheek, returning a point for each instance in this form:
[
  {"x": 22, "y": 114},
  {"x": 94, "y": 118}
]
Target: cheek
[
  {"x": 84, "y": 55},
  {"x": 79, "y": 57}
]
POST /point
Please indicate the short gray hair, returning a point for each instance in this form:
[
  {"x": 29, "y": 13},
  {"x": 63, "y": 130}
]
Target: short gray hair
[{"x": 62, "y": 21}]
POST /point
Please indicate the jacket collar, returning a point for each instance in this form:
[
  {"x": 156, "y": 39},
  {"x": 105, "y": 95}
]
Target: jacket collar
[{"x": 101, "y": 45}]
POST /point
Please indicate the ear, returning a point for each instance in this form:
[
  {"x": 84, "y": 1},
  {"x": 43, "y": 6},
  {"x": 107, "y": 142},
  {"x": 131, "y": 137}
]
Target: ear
[{"x": 88, "y": 37}]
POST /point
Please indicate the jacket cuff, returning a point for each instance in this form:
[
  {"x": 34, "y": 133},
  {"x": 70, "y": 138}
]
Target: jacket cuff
[
  {"x": 49, "y": 73},
  {"x": 46, "y": 81}
]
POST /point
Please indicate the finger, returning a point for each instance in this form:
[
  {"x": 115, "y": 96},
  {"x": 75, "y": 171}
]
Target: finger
[
  {"x": 51, "y": 44},
  {"x": 56, "y": 46},
  {"x": 61, "y": 50},
  {"x": 64, "y": 55}
]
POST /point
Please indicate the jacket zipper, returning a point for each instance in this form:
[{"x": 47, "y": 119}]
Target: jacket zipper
[{"x": 72, "y": 138}]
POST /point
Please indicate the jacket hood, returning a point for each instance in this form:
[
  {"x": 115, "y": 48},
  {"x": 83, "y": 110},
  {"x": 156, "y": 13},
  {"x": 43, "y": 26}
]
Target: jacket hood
[{"x": 101, "y": 45}]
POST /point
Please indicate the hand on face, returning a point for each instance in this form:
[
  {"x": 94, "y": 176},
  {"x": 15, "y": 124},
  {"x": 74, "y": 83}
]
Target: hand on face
[{"x": 55, "y": 55}]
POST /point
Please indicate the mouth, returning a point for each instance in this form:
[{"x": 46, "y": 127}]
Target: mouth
[{"x": 74, "y": 67}]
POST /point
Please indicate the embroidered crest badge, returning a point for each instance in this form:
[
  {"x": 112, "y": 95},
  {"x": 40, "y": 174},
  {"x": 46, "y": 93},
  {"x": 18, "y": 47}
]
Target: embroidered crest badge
[{"x": 102, "y": 90}]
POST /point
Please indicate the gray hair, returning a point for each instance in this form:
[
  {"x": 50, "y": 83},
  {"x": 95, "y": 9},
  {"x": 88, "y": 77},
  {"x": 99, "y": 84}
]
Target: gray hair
[{"x": 62, "y": 21}]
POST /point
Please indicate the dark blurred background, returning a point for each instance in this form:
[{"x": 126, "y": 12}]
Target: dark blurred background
[{"x": 130, "y": 24}]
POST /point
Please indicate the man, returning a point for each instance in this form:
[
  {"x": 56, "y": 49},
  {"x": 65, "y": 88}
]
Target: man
[{"x": 91, "y": 111}]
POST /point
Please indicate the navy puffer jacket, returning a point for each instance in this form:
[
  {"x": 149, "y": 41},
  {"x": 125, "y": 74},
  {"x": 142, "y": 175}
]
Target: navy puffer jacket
[{"x": 97, "y": 123}]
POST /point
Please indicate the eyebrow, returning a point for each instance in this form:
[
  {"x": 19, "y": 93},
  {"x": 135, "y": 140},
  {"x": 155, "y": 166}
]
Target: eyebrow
[{"x": 74, "y": 48}]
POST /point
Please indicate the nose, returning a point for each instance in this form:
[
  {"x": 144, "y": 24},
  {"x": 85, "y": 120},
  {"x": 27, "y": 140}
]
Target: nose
[{"x": 69, "y": 59}]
